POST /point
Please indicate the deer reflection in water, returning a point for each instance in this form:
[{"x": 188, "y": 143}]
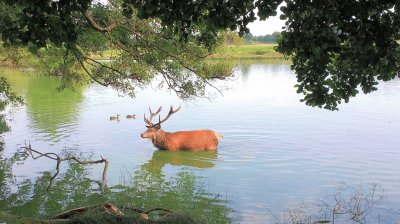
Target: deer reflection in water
[{"x": 197, "y": 159}]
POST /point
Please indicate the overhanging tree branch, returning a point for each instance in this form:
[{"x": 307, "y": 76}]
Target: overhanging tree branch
[
  {"x": 96, "y": 26},
  {"x": 168, "y": 78}
]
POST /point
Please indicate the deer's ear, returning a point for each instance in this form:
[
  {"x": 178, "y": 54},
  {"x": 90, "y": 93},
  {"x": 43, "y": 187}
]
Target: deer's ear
[{"x": 157, "y": 126}]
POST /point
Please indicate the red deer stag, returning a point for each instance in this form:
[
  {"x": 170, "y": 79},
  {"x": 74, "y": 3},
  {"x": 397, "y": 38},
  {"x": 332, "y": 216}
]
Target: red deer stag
[{"x": 181, "y": 140}]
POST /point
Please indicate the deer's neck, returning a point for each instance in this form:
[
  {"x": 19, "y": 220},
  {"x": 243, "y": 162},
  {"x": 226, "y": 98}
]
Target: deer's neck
[{"x": 159, "y": 139}]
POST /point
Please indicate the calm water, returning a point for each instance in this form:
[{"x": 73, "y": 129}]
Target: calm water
[{"x": 277, "y": 153}]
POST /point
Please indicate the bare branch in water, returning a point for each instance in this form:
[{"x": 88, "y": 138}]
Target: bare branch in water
[{"x": 36, "y": 155}]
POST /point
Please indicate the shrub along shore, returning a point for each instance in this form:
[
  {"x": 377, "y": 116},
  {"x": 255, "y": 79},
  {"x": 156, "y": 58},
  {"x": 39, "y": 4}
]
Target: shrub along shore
[
  {"x": 234, "y": 52},
  {"x": 100, "y": 218},
  {"x": 245, "y": 54}
]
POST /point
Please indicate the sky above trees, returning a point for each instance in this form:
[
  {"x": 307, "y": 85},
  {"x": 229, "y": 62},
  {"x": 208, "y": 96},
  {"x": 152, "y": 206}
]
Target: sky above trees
[{"x": 272, "y": 24}]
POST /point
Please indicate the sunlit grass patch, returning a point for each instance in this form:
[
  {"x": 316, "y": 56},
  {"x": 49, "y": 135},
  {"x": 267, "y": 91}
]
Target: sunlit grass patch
[
  {"x": 245, "y": 51},
  {"x": 99, "y": 218},
  {"x": 13, "y": 219},
  {"x": 248, "y": 51}
]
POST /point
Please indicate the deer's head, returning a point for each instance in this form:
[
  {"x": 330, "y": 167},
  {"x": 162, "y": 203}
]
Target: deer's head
[{"x": 153, "y": 128}]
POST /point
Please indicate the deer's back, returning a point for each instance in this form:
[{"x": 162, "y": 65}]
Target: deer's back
[{"x": 191, "y": 140}]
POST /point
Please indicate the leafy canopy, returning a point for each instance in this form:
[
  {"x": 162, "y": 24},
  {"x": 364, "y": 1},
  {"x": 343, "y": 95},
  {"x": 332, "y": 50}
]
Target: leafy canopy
[
  {"x": 338, "y": 47},
  {"x": 65, "y": 34},
  {"x": 341, "y": 47}
]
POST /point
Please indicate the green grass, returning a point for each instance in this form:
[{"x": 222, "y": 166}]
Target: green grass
[
  {"x": 13, "y": 219},
  {"x": 248, "y": 51},
  {"x": 107, "y": 54},
  {"x": 235, "y": 52},
  {"x": 100, "y": 218},
  {"x": 255, "y": 51}
]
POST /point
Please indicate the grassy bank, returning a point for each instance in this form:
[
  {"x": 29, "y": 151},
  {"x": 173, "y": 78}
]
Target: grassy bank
[
  {"x": 105, "y": 55},
  {"x": 244, "y": 53},
  {"x": 248, "y": 52},
  {"x": 232, "y": 52},
  {"x": 99, "y": 218},
  {"x": 7, "y": 218}
]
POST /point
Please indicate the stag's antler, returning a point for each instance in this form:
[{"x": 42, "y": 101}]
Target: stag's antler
[
  {"x": 150, "y": 124},
  {"x": 148, "y": 121},
  {"x": 171, "y": 111}
]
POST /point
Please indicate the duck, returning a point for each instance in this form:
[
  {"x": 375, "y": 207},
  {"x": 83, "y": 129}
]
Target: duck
[
  {"x": 131, "y": 116},
  {"x": 114, "y": 117}
]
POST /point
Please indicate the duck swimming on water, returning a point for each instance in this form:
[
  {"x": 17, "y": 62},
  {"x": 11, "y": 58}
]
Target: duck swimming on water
[
  {"x": 114, "y": 117},
  {"x": 131, "y": 116}
]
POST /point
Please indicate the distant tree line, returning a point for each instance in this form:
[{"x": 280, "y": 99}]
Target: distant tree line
[{"x": 269, "y": 38}]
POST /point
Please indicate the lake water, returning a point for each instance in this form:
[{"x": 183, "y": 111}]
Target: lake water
[{"x": 276, "y": 154}]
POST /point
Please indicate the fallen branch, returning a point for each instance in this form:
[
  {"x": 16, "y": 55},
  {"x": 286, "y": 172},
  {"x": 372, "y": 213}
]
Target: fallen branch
[
  {"x": 53, "y": 156},
  {"x": 148, "y": 211},
  {"x": 104, "y": 208}
]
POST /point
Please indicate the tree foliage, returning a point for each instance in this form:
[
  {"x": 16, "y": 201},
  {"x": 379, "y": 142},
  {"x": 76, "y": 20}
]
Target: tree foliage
[
  {"x": 338, "y": 47},
  {"x": 213, "y": 15},
  {"x": 6, "y": 97},
  {"x": 341, "y": 47},
  {"x": 64, "y": 34},
  {"x": 268, "y": 38}
]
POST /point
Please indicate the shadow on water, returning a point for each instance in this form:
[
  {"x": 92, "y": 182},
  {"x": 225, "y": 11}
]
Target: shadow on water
[
  {"x": 52, "y": 112},
  {"x": 186, "y": 190},
  {"x": 149, "y": 188},
  {"x": 29, "y": 196},
  {"x": 145, "y": 188}
]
